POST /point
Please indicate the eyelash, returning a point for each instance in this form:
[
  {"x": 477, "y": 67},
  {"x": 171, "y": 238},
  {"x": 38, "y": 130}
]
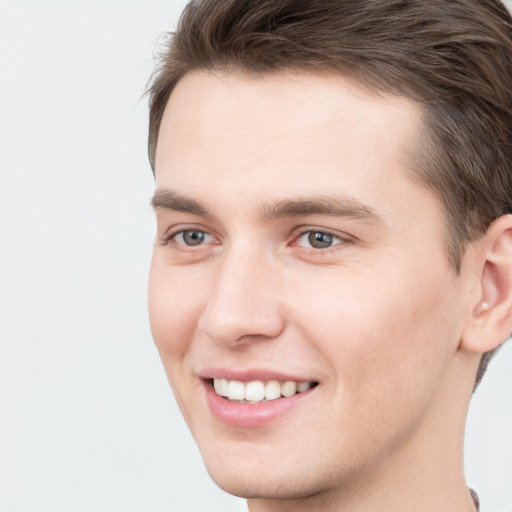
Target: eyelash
[
  {"x": 315, "y": 250},
  {"x": 170, "y": 238}
]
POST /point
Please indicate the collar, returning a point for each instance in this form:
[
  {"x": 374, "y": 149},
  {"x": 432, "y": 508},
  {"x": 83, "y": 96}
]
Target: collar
[{"x": 474, "y": 495}]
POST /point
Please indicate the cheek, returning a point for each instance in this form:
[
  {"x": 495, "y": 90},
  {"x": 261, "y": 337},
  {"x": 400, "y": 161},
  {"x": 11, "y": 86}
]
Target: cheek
[
  {"x": 387, "y": 337},
  {"x": 174, "y": 305}
]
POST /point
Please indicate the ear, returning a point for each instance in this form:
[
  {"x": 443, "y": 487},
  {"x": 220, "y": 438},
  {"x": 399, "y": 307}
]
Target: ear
[{"x": 490, "y": 318}]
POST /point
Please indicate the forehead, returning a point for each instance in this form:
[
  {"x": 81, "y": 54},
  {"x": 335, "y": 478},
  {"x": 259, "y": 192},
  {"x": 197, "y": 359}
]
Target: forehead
[{"x": 292, "y": 132}]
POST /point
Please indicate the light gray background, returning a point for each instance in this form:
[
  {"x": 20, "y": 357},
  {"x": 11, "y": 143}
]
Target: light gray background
[{"x": 87, "y": 422}]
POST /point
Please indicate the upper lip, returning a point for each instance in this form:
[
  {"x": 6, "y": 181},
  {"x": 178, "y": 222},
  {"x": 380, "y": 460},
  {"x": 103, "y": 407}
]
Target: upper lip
[{"x": 251, "y": 374}]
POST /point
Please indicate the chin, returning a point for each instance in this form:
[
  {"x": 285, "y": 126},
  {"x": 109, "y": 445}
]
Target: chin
[
  {"x": 269, "y": 480},
  {"x": 248, "y": 487}
]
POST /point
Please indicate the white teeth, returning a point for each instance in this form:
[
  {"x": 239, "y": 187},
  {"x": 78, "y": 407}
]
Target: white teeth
[
  {"x": 303, "y": 386},
  {"x": 257, "y": 390},
  {"x": 224, "y": 387},
  {"x": 236, "y": 390},
  {"x": 289, "y": 388},
  {"x": 272, "y": 390},
  {"x": 217, "y": 386},
  {"x": 221, "y": 386}
]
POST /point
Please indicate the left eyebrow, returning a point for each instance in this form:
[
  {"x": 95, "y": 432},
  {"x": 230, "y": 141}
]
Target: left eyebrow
[
  {"x": 167, "y": 199},
  {"x": 333, "y": 206}
]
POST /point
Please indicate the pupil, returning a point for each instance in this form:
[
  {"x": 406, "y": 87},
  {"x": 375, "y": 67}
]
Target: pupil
[
  {"x": 320, "y": 240},
  {"x": 193, "y": 237}
]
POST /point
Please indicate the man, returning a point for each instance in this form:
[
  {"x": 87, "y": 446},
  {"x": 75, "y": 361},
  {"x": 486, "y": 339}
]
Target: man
[{"x": 333, "y": 263}]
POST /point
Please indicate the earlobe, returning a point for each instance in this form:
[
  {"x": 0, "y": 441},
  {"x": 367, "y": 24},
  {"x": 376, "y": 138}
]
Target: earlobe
[{"x": 491, "y": 317}]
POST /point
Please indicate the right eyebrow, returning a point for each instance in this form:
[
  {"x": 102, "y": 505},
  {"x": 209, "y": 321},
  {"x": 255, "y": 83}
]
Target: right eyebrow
[
  {"x": 169, "y": 200},
  {"x": 334, "y": 206}
]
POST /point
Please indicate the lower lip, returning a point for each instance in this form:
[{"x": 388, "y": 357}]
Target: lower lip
[{"x": 250, "y": 415}]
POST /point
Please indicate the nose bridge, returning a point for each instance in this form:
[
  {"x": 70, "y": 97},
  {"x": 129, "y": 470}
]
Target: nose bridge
[{"x": 243, "y": 302}]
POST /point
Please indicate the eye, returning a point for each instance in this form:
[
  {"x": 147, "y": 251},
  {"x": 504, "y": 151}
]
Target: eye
[
  {"x": 192, "y": 237},
  {"x": 318, "y": 240}
]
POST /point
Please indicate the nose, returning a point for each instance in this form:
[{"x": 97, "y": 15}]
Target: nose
[{"x": 244, "y": 303}]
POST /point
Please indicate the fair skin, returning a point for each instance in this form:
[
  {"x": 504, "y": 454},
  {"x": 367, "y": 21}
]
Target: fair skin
[{"x": 293, "y": 244}]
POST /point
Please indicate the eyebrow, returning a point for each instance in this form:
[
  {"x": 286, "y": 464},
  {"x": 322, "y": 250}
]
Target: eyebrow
[
  {"x": 332, "y": 206},
  {"x": 170, "y": 200}
]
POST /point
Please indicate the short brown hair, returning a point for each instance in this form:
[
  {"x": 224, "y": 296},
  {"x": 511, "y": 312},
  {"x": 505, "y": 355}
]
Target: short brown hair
[{"x": 454, "y": 57}]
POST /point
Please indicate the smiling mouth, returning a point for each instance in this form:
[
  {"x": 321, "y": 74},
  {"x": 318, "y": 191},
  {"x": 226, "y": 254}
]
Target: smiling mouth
[{"x": 258, "y": 391}]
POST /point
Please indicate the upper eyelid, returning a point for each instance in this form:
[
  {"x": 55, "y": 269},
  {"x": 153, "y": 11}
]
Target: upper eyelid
[
  {"x": 327, "y": 231},
  {"x": 316, "y": 249},
  {"x": 168, "y": 239},
  {"x": 182, "y": 231},
  {"x": 298, "y": 232},
  {"x": 324, "y": 232},
  {"x": 175, "y": 230}
]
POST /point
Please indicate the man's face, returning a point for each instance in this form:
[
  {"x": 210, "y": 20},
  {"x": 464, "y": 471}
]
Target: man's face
[{"x": 293, "y": 244}]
